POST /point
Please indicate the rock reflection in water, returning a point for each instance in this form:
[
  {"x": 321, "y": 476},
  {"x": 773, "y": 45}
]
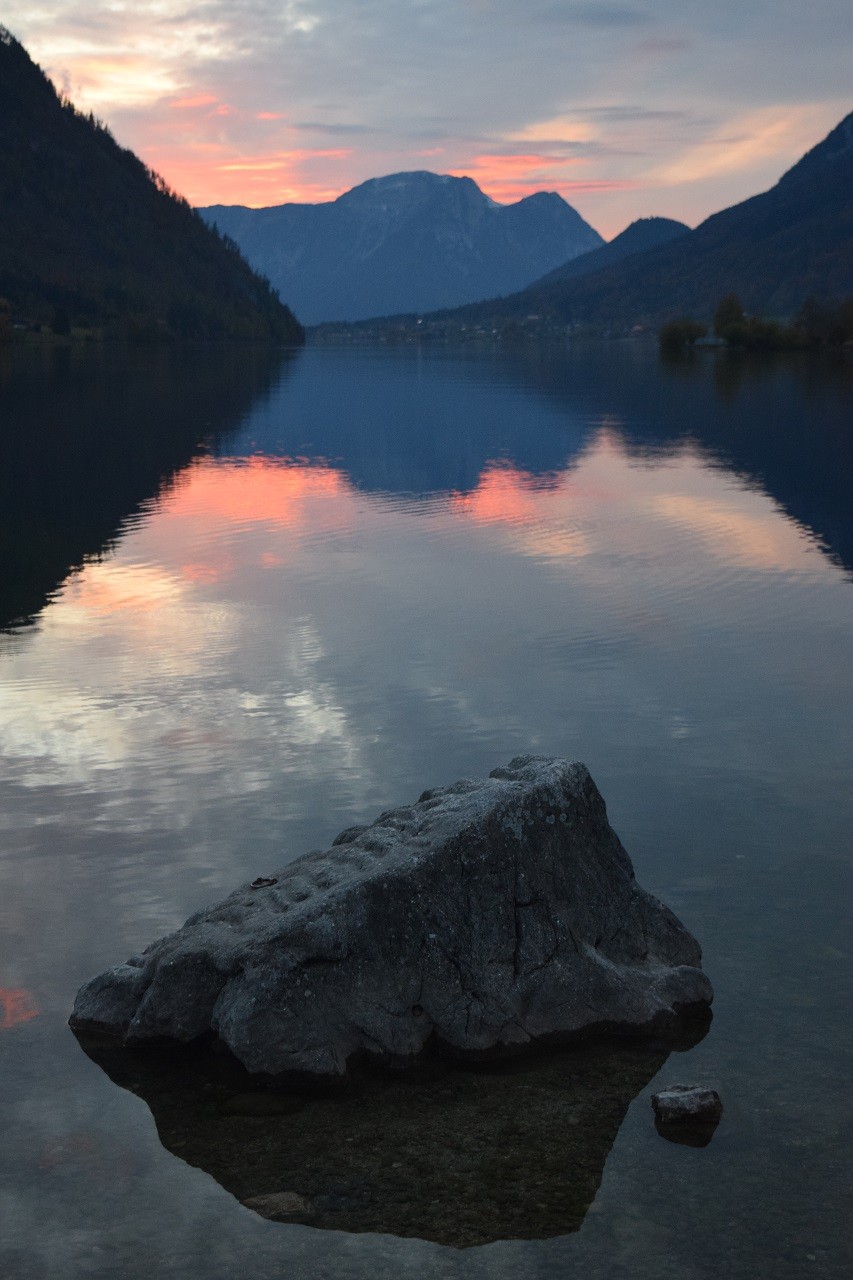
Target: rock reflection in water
[{"x": 454, "y": 1154}]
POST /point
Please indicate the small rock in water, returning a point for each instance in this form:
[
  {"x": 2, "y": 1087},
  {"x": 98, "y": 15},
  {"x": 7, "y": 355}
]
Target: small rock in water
[{"x": 687, "y": 1113}]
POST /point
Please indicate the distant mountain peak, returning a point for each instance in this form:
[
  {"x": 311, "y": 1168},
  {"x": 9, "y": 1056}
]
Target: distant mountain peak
[
  {"x": 405, "y": 242},
  {"x": 420, "y": 181},
  {"x": 551, "y": 197},
  {"x": 643, "y": 233}
]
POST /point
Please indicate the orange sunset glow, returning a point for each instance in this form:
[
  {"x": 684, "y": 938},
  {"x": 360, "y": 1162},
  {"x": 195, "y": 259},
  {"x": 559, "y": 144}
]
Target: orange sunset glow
[
  {"x": 549, "y": 517},
  {"x": 621, "y": 115},
  {"x": 207, "y": 528},
  {"x": 257, "y": 490}
]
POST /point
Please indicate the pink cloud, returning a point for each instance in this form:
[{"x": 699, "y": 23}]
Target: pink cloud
[
  {"x": 511, "y": 177},
  {"x": 197, "y": 100}
]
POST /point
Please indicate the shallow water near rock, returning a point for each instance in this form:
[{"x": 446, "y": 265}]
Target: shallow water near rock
[
  {"x": 458, "y": 1155},
  {"x": 249, "y": 603}
]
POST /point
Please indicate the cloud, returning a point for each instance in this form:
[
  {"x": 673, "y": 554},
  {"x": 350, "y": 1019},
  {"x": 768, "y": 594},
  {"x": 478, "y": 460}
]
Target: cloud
[
  {"x": 319, "y": 126},
  {"x": 635, "y": 87},
  {"x": 663, "y": 45},
  {"x": 744, "y": 143},
  {"x": 198, "y": 100},
  {"x": 593, "y": 15}
]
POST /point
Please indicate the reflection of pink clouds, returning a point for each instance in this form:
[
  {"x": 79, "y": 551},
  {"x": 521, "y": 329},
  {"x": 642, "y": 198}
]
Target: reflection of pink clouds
[
  {"x": 254, "y": 491},
  {"x": 605, "y": 502},
  {"x": 206, "y": 573},
  {"x": 507, "y": 495},
  {"x": 608, "y": 503},
  {"x": 538, "y": 514},
  {"x": 105, "y": 588},
  {"x": 737, "y": 535},
  {"x": 504, "y": 495},
  {"x": 224, "y": 519},
  {"x": 214, "y": 504},
  {"x": 16, "y": 1005}
]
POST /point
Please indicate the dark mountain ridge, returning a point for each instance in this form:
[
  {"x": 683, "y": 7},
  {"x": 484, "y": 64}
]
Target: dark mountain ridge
[
  {"x": 774, "y": 250},
  {"x": 91, "y": 233},
  {"x": 405, "y": 242},
  {"x": 644, "y": 233}
]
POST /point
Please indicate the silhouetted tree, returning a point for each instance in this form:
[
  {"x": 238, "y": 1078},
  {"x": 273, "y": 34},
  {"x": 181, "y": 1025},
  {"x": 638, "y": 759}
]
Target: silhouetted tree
[
  {"x": 680, "y": 333},
  {"x": 729, "y": 318},
  {"x": 826, "y": 323}
]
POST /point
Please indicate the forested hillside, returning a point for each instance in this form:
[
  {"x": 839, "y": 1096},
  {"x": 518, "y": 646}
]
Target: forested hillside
[{"x": 92, "y": 238}]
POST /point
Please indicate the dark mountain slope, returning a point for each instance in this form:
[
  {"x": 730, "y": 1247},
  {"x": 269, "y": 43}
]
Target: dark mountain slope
[
  {"x": 407, "y": 242},
  {"x": 89, "y": 230},
  {"x": 774, "y": 250},
  {"x": 645, "y": 233}
]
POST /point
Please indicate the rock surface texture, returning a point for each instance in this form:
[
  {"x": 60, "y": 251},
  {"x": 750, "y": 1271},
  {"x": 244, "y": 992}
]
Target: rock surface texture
[
  {"x": 487, "y": 915},
  {"x": 687, "y": 1104}
]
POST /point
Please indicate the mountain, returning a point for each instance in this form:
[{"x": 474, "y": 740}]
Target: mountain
[
  {"x": 773, "y": 250},
  {"x": 94, "y": 237},
  {"x": 407, "y": 242},
  {"x": 645, "y": 233}
]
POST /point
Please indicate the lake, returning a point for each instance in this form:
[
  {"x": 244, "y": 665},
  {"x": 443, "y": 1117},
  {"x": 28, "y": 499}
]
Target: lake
[{"x": 248, "y": 600}]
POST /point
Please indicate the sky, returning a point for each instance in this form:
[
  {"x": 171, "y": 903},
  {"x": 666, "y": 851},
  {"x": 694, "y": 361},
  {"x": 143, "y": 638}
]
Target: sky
[{"x": 627, "y": 108}]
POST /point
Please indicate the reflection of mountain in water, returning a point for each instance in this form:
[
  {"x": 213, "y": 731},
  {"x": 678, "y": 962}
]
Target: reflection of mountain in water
[
  {"x": 401, "y": 423},
  {"x": 91, "y": 435},
  {"x": 444, "y": 1153},
  {"x": 418, "y": 422},
  {"x": 783, "y": 424}
]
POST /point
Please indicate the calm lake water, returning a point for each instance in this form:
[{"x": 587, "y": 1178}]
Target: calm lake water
[{"x": 246, "y": 602}]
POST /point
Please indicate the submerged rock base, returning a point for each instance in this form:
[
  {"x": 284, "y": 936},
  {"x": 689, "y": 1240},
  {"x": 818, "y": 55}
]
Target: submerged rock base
[
  {"x": 488, "y": 915},
  {"x": 457, "y": 1154}
]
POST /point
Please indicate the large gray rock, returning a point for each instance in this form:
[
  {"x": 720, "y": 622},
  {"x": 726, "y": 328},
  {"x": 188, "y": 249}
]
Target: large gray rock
[{"x": 488, "y": 915}]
